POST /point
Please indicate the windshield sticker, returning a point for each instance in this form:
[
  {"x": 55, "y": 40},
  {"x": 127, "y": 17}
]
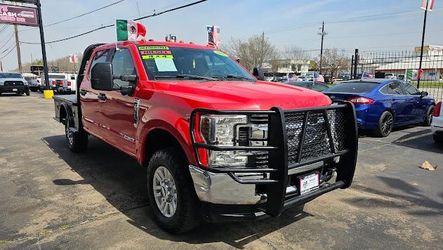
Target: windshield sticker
[
  {"x": 165, "y": 64},
  {"x": 153, "y": 52},
  {"x": 141, "y": 48},
  {"x": 218, "y": 52}
]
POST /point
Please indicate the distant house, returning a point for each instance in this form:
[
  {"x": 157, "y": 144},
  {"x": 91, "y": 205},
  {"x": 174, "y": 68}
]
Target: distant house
[{"x": 287, "y": 66}]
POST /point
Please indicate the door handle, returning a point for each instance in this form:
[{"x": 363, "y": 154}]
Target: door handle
[
  {"x": 83, "y": 92},
  {"x": 102, "y": 97}
]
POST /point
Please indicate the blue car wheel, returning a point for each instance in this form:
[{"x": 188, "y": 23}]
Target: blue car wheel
[{"x": 385, "y": 124}]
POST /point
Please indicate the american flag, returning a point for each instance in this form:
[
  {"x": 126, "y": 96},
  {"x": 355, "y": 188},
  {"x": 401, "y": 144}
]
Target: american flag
[{"x": 430, "y": 4}]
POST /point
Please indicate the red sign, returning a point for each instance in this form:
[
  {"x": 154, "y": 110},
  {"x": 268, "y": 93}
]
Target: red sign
[{"x": 18, "y": 15}]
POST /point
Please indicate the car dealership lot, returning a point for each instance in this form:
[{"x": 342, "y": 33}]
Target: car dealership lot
[{"x": 52, "y": 198}]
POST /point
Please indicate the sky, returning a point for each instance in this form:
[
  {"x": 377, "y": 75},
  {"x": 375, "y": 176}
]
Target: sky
[{"x": 367, "y": 25}]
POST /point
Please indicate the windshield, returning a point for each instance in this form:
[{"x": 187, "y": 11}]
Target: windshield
[
  {"x": 353, "y": 87},
  {"x": 10, "y": 75},
  {"x": 163, "y": 62}
]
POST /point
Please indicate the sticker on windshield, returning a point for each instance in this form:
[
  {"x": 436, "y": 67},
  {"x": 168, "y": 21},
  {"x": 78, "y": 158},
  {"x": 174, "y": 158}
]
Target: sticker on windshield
[
  {"x": 153, "y": 52},
  {"x": 218, "y": 52},
  {"x": 165, "y": 64},
  {"x": 141, "y": 48}
]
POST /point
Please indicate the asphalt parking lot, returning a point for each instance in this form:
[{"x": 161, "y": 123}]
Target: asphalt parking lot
[{"x": 51, "y": 198}]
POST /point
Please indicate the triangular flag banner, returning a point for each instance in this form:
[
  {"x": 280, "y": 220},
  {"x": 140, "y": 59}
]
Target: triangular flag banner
[{"x": 128, "y": 30}]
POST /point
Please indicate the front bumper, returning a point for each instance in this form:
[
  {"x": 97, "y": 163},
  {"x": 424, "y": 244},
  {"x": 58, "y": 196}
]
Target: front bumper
[
  {"x": 437, "y": 124},
  {"x": 225, "y": 194},
  {"x": 13, "y": 89}
]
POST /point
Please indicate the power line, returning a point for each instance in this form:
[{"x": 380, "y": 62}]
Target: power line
[
  {"x": 81, "y": 15},
  {"x": 365, "y": 18},
  {"x": 111, "y": 25},
  {"x": 8, "y": 52},
  {"x": 84, "y": 14},
  {"x": 3, "y": 28},
  {"x": 7, "y": 41}
]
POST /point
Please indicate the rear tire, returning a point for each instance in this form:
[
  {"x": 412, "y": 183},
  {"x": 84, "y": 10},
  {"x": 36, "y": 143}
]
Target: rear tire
[
  {"x": 438, "y": 138},
  {"x": 385, "y": 124},
  {"x": 428, "y": 117},
  {"x": 185, "y": 210},
  {"x": 77, "y": 140}
]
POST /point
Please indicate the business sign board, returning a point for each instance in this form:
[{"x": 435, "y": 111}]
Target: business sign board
[{"x": 18, "y": 15}]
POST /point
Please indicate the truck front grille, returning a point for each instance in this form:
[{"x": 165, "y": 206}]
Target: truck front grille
[
  {"x": 310, "y": 129},
  {"x": 13, "y": 83}
]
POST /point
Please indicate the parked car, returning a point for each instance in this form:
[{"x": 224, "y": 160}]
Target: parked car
[
  {"x": 382, "y": 104},
  {"x": 33, "y": 84},
  {"x": 390, "y": 76},
  {"x": 218, "y": 144},
  {"x": 13, "y": 83},
  {"x": 309, "y": 85},
  {"x": 437, "y": 123},
  {"x": 61, "y": 83}
]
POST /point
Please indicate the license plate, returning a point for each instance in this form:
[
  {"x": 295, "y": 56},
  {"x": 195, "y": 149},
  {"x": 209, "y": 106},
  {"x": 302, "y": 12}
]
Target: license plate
[
  {"x": 309, "y": 183},
  {"x": 15, "y": 90}
]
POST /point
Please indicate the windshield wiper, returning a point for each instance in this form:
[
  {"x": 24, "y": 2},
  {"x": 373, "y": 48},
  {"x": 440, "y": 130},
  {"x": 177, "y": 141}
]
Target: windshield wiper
[
  {"x": 188, "y": 76},
  {"x": 238, "y": 77}
]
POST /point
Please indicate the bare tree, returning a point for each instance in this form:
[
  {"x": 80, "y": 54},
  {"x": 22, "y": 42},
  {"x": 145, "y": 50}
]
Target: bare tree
[
  {"x": 253, "y": 52},
  {"x": 334, "y": 61},
  {"x": 295, "y": 53}
]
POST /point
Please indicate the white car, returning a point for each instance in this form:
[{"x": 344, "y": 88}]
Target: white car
[
  {"x": 437, "y": 123},
  {"x": 390, "y": 76}
]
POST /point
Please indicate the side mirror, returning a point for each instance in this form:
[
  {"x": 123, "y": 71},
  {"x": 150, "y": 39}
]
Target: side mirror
[
  {"x": 423, "y": 94},
  {"x": 101, "y": 76},
  {"x": 127, "y": 89},
  {"x": 259, "y": 74}
]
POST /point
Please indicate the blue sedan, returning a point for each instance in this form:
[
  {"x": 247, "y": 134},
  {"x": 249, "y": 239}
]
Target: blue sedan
[{"x": 382, "y": 104}]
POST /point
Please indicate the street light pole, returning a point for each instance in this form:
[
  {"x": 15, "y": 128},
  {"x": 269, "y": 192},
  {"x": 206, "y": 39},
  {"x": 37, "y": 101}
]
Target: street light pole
[{"x": 420, "y": 70}]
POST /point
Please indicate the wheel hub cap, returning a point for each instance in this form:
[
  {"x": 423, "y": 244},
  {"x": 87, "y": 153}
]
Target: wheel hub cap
[{"x": 165, "y": 191}]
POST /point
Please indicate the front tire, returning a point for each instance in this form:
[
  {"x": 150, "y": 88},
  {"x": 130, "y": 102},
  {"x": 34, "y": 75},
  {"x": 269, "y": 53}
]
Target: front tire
[
  {"x": 77, "y": 140},
  {"x": 172, "y": 199},
  {"x": 385, "y": 124}
]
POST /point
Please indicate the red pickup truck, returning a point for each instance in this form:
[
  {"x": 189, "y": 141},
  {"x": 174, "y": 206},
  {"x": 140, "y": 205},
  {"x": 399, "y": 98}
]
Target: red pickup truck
[{"x": 218, "y": 144}]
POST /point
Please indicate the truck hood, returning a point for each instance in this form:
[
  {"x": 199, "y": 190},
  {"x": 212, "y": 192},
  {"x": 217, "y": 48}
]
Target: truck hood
[
  {"x": 12, "y": 80},
  {"x": 235, "y": 95}
]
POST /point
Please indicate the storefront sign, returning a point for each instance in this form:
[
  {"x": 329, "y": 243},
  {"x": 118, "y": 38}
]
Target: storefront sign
[{"x": 18, "y": 15}]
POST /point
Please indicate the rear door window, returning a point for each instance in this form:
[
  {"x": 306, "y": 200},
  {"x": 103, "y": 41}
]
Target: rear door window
[
  {"x": 100, "y": 57},
  {"x": 393, "y": 88},
  {"x": 354, "y": 87}
]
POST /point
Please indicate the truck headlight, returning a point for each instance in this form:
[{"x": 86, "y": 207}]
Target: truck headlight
[{"x": 229, "y": 131}]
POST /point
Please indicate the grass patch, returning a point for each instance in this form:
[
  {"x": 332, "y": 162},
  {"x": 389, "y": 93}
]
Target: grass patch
[{"x": 429, "y": 84}]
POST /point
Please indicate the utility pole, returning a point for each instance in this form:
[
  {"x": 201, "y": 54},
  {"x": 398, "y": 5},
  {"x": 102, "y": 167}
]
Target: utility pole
[
  {"x": 43, "y": 45},
  {"x": 322, "y": 34},
  {"x": 420, "y": 70},
  {"x": 17, "y": 45}
]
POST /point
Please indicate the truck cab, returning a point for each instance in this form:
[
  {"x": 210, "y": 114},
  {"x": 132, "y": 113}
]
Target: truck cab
[{"x": 218, "y": 143}]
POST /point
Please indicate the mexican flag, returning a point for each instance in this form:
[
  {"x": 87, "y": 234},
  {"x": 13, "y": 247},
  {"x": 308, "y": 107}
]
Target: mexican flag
[{"x": 128, "y": 30}]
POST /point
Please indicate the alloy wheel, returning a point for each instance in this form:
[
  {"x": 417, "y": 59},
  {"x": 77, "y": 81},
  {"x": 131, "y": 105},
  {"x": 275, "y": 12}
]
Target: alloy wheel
[
  {"x": 165, "y": 191},
  {"x": 387, "y": 123}
]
